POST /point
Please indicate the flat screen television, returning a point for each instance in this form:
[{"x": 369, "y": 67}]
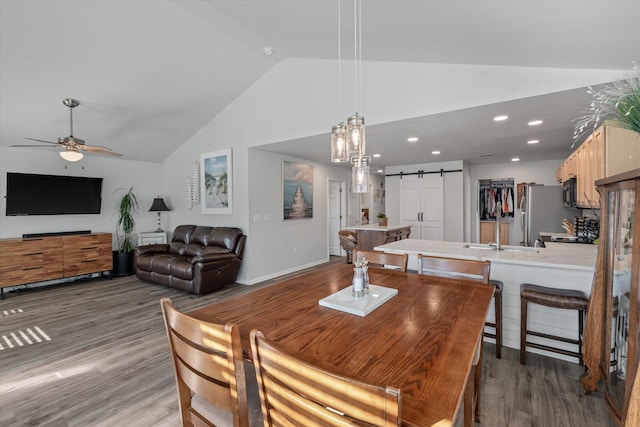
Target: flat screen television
[{"x": 33, "y": 194}]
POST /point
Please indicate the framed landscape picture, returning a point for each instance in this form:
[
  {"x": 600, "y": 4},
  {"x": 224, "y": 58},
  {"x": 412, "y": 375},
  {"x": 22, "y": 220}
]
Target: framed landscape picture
[
  {"x": 216, "y": 195},
  {"x": 297, "y": 190}
]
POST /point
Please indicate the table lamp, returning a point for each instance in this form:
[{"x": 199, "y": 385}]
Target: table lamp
[{"x": 159, "y": 205}]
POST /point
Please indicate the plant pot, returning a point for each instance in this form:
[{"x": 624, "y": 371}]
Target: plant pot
[
  {"x": 383, "y": 221},
  {"x": 123, "y": 264}
]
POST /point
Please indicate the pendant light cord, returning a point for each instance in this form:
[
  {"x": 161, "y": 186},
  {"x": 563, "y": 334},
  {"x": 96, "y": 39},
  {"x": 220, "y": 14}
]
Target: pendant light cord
[
  {"x": 359, "y": 55},
  {"x": 339, "y": 59},
  {"x": 355, "y": 54}
]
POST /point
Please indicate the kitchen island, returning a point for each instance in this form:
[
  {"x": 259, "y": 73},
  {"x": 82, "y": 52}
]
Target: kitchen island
[
  {"x": 566, "y": 266},
  {"x": 371, "y": 235}
]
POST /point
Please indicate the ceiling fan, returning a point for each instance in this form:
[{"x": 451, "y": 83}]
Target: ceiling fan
[{"x": 73, "y": 146}]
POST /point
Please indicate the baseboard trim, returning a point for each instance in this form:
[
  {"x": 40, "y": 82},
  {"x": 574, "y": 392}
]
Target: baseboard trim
[{"x": 281, "y": 273}]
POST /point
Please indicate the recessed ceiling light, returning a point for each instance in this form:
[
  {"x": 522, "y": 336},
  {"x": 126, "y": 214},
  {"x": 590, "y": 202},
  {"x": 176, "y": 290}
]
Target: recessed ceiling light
[
  {"x": 376, "y": 155},
  {"x": 412, "y": 139},
  {"x": 533, "y": 141},
  {"x": 515, "y": 159},
  {"x": 535, "y": 122},
  {"x": 268, "y": 50},
  {"x": 500, "y": 118},
  {"x": 380, "y": 171},
  {"x": 435, "y": 152}
]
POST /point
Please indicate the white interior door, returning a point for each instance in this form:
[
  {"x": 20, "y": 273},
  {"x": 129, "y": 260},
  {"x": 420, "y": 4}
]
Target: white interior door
[
  {"x": 432, "y": 201},
  {"x": 354, "y": 208},
  {"x": 422, "y": 206},
  {"x": 335, "y": 217},
  {"x": 410, "y": 204}
]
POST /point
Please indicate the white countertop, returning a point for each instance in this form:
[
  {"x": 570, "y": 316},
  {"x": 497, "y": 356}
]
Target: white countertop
[
  {"x": 568, "y": 256},
  {"x": 376, "y": 227}
]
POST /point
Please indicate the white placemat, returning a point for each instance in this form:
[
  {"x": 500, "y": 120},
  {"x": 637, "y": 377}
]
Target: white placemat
[{"x": 344, "y": 301}]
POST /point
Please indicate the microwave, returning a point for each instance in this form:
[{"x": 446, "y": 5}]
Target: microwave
[{"x": 569, "y": 193}]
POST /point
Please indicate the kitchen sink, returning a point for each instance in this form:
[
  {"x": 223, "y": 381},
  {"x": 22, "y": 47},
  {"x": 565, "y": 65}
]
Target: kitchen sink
[{"x": 504, "y": 248}]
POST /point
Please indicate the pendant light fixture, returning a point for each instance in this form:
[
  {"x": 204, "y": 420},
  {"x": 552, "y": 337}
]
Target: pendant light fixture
[
  {"x": 339, "y": 151},
  {"x": 360, "y": 174},
  {"x": 348, "y": 141}
]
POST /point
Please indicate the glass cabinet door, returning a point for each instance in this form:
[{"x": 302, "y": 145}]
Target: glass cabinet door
[{"x": 619, "y": 217}]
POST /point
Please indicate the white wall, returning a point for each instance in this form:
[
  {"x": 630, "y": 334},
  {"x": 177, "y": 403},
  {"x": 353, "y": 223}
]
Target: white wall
[
  {"x": 275, "y": 245},
  {"x": 543, "y": 172},
  {"x": 145, "y": 178}
]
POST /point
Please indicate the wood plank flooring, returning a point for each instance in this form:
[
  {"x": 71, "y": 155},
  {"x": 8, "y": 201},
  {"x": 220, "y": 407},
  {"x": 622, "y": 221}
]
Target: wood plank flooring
[{"x": 106, "y": 363}]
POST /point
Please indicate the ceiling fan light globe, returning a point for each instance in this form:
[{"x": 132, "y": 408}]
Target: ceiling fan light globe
[{"x": 71, "y": 156}]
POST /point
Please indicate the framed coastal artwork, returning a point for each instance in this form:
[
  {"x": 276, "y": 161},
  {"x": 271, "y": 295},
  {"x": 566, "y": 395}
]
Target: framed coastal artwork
[
  {"x": 297, "y": 190},
  {"x": 216, "y": 184}
]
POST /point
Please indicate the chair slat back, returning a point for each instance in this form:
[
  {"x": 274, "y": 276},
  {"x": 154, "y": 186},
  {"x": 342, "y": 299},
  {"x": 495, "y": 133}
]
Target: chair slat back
[
  {"x": 380, "y": 259},
  {"x": 443, "y": 266},
  {"x": 207, "y": 361},
  {"x": 295, "y": 391}
]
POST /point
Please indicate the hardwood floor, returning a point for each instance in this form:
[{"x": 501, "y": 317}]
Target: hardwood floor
[{"x": 94, "y": 353}]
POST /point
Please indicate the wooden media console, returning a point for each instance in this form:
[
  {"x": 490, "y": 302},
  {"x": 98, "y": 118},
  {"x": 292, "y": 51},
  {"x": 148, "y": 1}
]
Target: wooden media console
[{"x": 24, "y": 261}]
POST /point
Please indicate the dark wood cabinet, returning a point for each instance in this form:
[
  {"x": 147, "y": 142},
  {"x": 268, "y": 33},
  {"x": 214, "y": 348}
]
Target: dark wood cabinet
[
  {"x": 612, "y": 334},
  {"x": 369, "y": 238}
]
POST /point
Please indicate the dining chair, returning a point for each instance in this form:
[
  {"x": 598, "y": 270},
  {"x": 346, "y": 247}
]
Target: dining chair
[
  {"x": 474, "y": 270},
  {"x": 443, "y": 266},
  {"x": 209, "y": 371},
  {"x": 296, "y": 391},
  {"x": 381, "y": 259},
  {"x": 348, "y": 240}
]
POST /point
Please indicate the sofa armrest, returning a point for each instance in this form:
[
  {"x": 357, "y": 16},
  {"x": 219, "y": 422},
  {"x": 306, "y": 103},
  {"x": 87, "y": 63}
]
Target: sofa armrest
[
  {"x": 212, "y": 258},
  {"x": 240, "y": 246},
  {"x": 147, "y": 249}
]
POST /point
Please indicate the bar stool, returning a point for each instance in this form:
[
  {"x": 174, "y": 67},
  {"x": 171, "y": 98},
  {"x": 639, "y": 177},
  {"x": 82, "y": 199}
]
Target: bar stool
[
  {"x": 497, "y": 306},
  {"x": 557, "y": 298}
]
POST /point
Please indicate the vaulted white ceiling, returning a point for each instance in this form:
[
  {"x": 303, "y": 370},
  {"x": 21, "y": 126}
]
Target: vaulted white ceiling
[{"x": 150, "y": 74}]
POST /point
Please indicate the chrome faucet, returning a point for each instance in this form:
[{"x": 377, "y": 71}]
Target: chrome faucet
[{"x": 498, "y": 218}]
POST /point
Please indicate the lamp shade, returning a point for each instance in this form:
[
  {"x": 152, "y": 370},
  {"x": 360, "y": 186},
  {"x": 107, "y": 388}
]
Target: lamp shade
[{"x": 158, "y": 205}]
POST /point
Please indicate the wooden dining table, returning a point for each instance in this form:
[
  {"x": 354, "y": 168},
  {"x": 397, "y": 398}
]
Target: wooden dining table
[{"x": 423, "y": 340}]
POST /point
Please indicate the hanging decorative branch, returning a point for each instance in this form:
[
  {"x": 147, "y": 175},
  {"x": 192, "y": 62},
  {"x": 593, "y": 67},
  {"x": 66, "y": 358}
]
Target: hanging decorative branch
[{"x": 618, "y": 102}]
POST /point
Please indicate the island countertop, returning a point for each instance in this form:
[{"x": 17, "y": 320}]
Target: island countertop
[
  {"x": 574, "y": 256},
  {"x": 562, "y": 265},
  {"x": 376, "y": 227}
]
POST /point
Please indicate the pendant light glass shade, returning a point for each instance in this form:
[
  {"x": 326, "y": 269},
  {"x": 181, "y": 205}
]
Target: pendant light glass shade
[
  {"x": 339, "y": 152},
  {"x": 355, "y": 135},
  {"x": 360, "y": 175},
  {"x": 71, "y": 155}
]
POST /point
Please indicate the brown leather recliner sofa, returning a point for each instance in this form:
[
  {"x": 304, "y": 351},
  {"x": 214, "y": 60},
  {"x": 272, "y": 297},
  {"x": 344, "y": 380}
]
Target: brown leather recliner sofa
[{"x": 199, "y": 259}]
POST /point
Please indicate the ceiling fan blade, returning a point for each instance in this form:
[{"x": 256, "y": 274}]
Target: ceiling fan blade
[
  {"x": 94, "y": 148},
  {"x": 41, "y": 140},
  {"x": 105, "y": 153},
  {"x": 99, "y": 149},
  {"x": 33, "y": 145}
]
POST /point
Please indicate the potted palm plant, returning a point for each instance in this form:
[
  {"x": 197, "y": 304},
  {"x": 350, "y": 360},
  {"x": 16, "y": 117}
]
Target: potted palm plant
[{"x": 123, "y": 256}]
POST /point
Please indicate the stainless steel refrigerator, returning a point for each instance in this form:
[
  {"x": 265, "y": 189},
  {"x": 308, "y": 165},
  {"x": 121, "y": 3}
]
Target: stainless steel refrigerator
[{"x": 541, "y": 209}]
